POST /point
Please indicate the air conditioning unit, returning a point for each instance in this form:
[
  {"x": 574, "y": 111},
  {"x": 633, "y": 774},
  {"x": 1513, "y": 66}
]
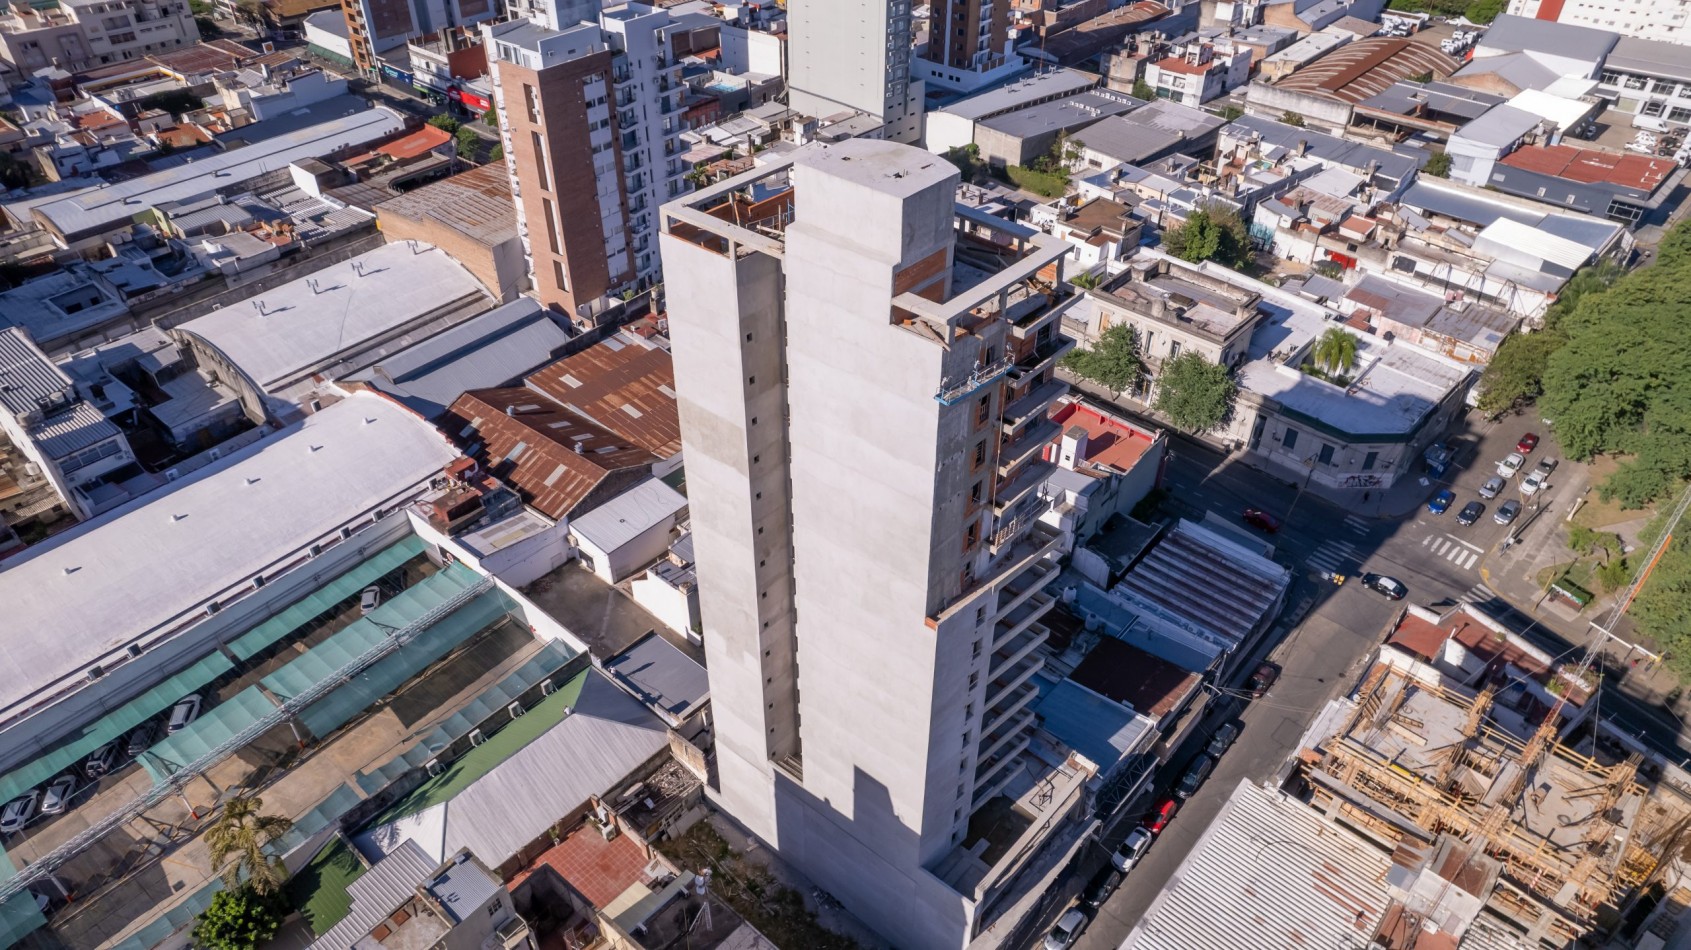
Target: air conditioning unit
[
  {"x": 213, "y": 608},
  {"x": 346, "y": 533},
  {"x": 476, "y": 737},
  {"x": 379, "y": 514},
  {"x": 171, "y": 474},
  {"x": 134, "y": 650},
  {"x": 434, "y": 767},
  {"x": 95, "y": 672},
  {"x": 515, "y": 709},
  {"x": 315, "y": 550},
  {"x": 215, "y": 454},
  {"x": 257, "y": 581},
  {"x": 547, "y": 687}
]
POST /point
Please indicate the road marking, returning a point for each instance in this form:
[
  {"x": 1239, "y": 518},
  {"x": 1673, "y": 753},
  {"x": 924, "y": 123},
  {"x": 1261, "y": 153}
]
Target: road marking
[
  {"x": 1472, "y": 547},
  {"x": 1480, "y": 592},
  {"x": 1356, "y": 524},
  {"x": 1462, "y": 559},
  {"x": 1331, "y": 555}
]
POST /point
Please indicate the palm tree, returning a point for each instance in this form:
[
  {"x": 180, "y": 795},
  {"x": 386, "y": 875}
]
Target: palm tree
[
  {"x": 237, "y": 839},
  {"x": 1335, "y": 350}
]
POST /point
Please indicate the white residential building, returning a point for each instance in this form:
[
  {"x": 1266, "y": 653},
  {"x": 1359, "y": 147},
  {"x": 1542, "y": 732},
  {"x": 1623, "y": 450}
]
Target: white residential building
[
  {"x": 1666, "y": 20},
  {"x": 81, "y": 34},
  {"x": 864, "y": 484},
  {"x": 854, "y": 56},
  {"x": 1197, "y": 70}
]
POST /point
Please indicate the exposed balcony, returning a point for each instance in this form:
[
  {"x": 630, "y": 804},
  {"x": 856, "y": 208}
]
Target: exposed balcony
[
  {"x": 1044, "y": 357},
  {"x": 1027, "y": 444},
  {"x": 1026, "y": 587},
  {"x": 1013, "y": 676},
  {"x": 994, "y": 766},
  {"x": 1018, "y": 647},
  {"x": 1032, "y": 405},
  {"x": 1013, "y": 491},
  {"x": 1014, "y": 701}
]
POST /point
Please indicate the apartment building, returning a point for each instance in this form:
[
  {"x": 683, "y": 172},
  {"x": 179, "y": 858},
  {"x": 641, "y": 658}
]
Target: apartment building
[
  {"x": 1198, "y": 69},
  {"x": 854, "y": 56},
  {"x": 864, "y": 488},
  {"x": 81, "y": 34},
  {"x": 968, "y": 46},
  {"x": 376, "y": 26},
  {"x": 591, "y": 129},
  {"x": 1664, "y": 20}
]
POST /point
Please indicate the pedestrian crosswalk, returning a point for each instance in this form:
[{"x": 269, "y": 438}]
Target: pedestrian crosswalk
[
  {"x": 1453, "y": 549},
  {"x": 1355, "y": 525},
  {"x": 1479, "y": 594},
  {"x": 1334, "y": 556}
]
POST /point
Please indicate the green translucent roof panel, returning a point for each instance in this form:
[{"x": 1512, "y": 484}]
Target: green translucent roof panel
[
  {"x": 324, "y": 598},
  {"x": 328, "y": 811},
  {"x": 113, "y": 724},
  {"x": 482, "y": 759},
  {"x": 18, "y": 916},
  {"x": 215, "y": 726},
  {"x": 497, "y": 698}
]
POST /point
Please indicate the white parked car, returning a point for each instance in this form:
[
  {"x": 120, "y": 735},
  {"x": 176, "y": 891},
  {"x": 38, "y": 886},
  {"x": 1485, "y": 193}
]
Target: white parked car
[
  {"x": 1068, "y": 928},
  {"x": 1509, "y": 466},
  {"x": 19, "y": 811},
  {"x": 1131, "y": 850},
  {"x": 1532, "y": 483}
]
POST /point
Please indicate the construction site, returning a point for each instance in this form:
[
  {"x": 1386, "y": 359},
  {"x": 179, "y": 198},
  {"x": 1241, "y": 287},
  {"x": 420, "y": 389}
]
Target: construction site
[{"x": 1486, "y": 769}]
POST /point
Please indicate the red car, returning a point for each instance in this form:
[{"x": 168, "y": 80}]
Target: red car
[
  {"x": 1527, "y": 444},
  {"x": 1262, "y": 679},
  {"x": 1158, "y": 819},
  {"x": 1257, "y": 518}
]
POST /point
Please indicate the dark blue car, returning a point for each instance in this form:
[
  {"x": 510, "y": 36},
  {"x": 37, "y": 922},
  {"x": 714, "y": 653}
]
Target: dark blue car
[{"x": 1442, "y": 501}]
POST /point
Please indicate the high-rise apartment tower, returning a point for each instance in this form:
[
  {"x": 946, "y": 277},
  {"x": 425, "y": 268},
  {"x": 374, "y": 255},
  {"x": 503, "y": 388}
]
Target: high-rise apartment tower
[
  {"x": 968, "y": 45},
  {"x": 863, "y": 370},
  {"x": 590, "y": 118},
  {"x": 854, "y": 55}
]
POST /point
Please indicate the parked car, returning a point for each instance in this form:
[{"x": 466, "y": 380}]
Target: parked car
[
  {"x": 1527, "y": 444},
  {"x": 1391, "y": 587},
  {"x": 1128, "y": 853},
  {"x": 1262, "y": 679},
  {"x": 1222, "y": 740},
  {"x": 101, "y": 760},
  {"x": 1160, "y": 815},
  {"x": 1532, "y": 483},
  {"x": 1068, "y": 928},
  {"x": 1261, "y": 520},
  {"x": 1102, "y": 885},
  {"x": 1546, "y": 465},
  {"x": 1193, "y": 779},
  {"x": 1511, "y": 464},
  {"x": 59, "y": 792},
  {"x": 1493, "y": 487},
  {"x": 141, "y": 738},
  {"x": 1507, "y": 512},
  {"x": 183, "y": 714},
  {"x": 1442, "y": 501},
  {"x": 1470, "y": 513},
  {"x": 369, "y": 600},
  {"x": 19, "y": 811}
]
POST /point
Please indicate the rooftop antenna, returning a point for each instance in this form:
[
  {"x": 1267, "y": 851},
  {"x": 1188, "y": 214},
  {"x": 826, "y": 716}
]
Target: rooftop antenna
[
  {"x": 358, "y": 268},
  {"x": 312, "y": 283},
  {"x": 258, "y": 305}
]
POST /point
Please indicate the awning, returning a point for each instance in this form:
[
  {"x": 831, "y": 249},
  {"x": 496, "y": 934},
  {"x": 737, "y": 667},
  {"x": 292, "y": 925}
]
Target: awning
[
  {"x": 215, "y": 726},
  {"x": 324, "y": 598}
]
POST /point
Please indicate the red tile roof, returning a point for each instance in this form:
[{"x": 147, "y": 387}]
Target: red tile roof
[
  {"x": 1176, "y": 64},
  {"x": 423, "y": 140},
  {"x": 597, "y": 869},
  {"x": 1590, "y": 165},
  {"x": 1368, "y": 67},
  {"x": 625, "y": 383},
  {"x": 558, "y": 463}
]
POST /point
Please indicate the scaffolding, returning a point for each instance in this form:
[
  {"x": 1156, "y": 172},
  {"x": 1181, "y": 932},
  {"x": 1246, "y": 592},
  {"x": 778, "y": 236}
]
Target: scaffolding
[{"x": 1560, "y": 823}]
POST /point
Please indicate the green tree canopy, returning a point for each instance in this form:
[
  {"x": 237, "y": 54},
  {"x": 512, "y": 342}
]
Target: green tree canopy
[
  {"x": 1484, "y": 11},
  {"x": 236, "y": 842},
  {"x": 239, "y": 919},
  {"x": 1143, "y": 90},
  {"x": 1438, "y": 165},
  {"x": 1210, "y": 234},
  {"x": 1291, "y": 118},
  {"x": 1194, "y": 393},
  {"x": 467, "y": 141},
  {"x": 1335, "y": 350},
  {"x": 444, "y": 121},
  {"x": 1113, "y": 363},
  {"x": 1229, "y": 113}
]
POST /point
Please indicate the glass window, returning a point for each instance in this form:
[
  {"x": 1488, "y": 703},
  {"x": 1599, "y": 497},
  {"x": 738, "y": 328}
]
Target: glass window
[
  {"x": 1326, "y": 454},
  {"x": 1290, "y": 439}
]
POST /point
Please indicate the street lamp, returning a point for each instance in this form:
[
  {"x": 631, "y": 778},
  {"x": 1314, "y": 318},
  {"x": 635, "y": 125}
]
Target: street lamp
[{"x": 1309, "y": 463}]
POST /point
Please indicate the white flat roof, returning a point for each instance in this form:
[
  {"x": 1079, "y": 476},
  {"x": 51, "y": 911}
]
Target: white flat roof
[
  {"x": 90, "y": 591},
  {"x": 101, "y": 207},
  {"x": 623, "y": 518},
  {"x": 286, "y": 331}
]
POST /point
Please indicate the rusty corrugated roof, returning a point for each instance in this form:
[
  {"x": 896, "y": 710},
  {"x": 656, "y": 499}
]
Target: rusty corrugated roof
[
  {"x": 558, "y": 463},
  {"x": 625, "y": 383}
]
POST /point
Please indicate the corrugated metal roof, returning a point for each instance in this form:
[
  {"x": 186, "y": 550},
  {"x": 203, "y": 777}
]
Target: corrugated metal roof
[
  {"x": 378, "y": 893},
  {"x": 557, "y": 462},
  {"x": 592, "y": 751},
  {"x": 1190, "y": 565},
  {"x": 72, "y": 430},
  {"x": 27, "y": 377},
  {"x": 1269, "y": 871},
  {"x": 1102, "y": 730},
  {"x": 623, "y": 518},
  {"x": 625, "y": 383},
  {"x": 1503, "y": 238},
  {"x": 463, "y": 889},
  {"x": 1368, "y": 67},
  {"x": 661, "y": 675}
]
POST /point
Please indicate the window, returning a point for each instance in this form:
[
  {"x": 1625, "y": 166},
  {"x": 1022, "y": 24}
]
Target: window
[
  {"x": 975, "y": 492},
  {"x": 972, "y": 535},
  {"x": 983, "y": 409},
  {"x": 532, "y": 97},
  {"x": 975, "y": 650},
  {"x": 558, "y": 276},
  {"x": 551, "y": 213},
  {"x": 974, "y": 680},
  {"x": 1369, "y": 460},
  {"x": 1326, "y": 454},
  {"x": 980, "y": 454},
  {"x": 1173, "y": 350},
  {"x": 540, "y": 162},
  {"x": 1290, "y": 439}
]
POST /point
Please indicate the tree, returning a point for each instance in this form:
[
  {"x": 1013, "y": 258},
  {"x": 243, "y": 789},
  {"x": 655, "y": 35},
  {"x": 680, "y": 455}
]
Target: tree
[
  {"x": 1229, "y": 113},
  {"x": 1515, "y": 376},
  {"x": 1335, "y": 350},
  {"x": 467, "y": 142},
  {"x": 1085, "y": 281},
  {"x": 1291, "y": 118},
  {"x": 491, "y": 117},
  {"x": 497, "y": 154},
  {"x": 238, "y": 919},
  {"x": 444, "y": 121},
  {"x": 1211, "y": 234},
  {"x": 1194, "y": 393},
  {"x": 236, "y": 842},
  {"x": 1113, "y": 363},
  {"x": 1484, "y": 11},
  {"x": 1424, "y": 76},
  {"x": 1143, "y": 90},
  {"x": 1438, "y": 165}
]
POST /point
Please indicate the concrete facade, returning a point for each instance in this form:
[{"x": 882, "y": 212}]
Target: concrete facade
[
  {"x": 854, "y": 56},
  {"x": 865, "y": 774},
  {"x": 82, "y": 34}
]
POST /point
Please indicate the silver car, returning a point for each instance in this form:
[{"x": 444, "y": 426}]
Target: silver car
[
  {"x": 58, "y": 796},
  {"x": 1067, "y": 930},
  {"x": 1493, "y": 487}
]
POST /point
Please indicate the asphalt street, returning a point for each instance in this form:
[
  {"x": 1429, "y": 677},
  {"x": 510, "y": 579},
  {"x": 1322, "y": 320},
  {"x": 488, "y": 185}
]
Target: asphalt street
[{"x": 1438, "y": 560}]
